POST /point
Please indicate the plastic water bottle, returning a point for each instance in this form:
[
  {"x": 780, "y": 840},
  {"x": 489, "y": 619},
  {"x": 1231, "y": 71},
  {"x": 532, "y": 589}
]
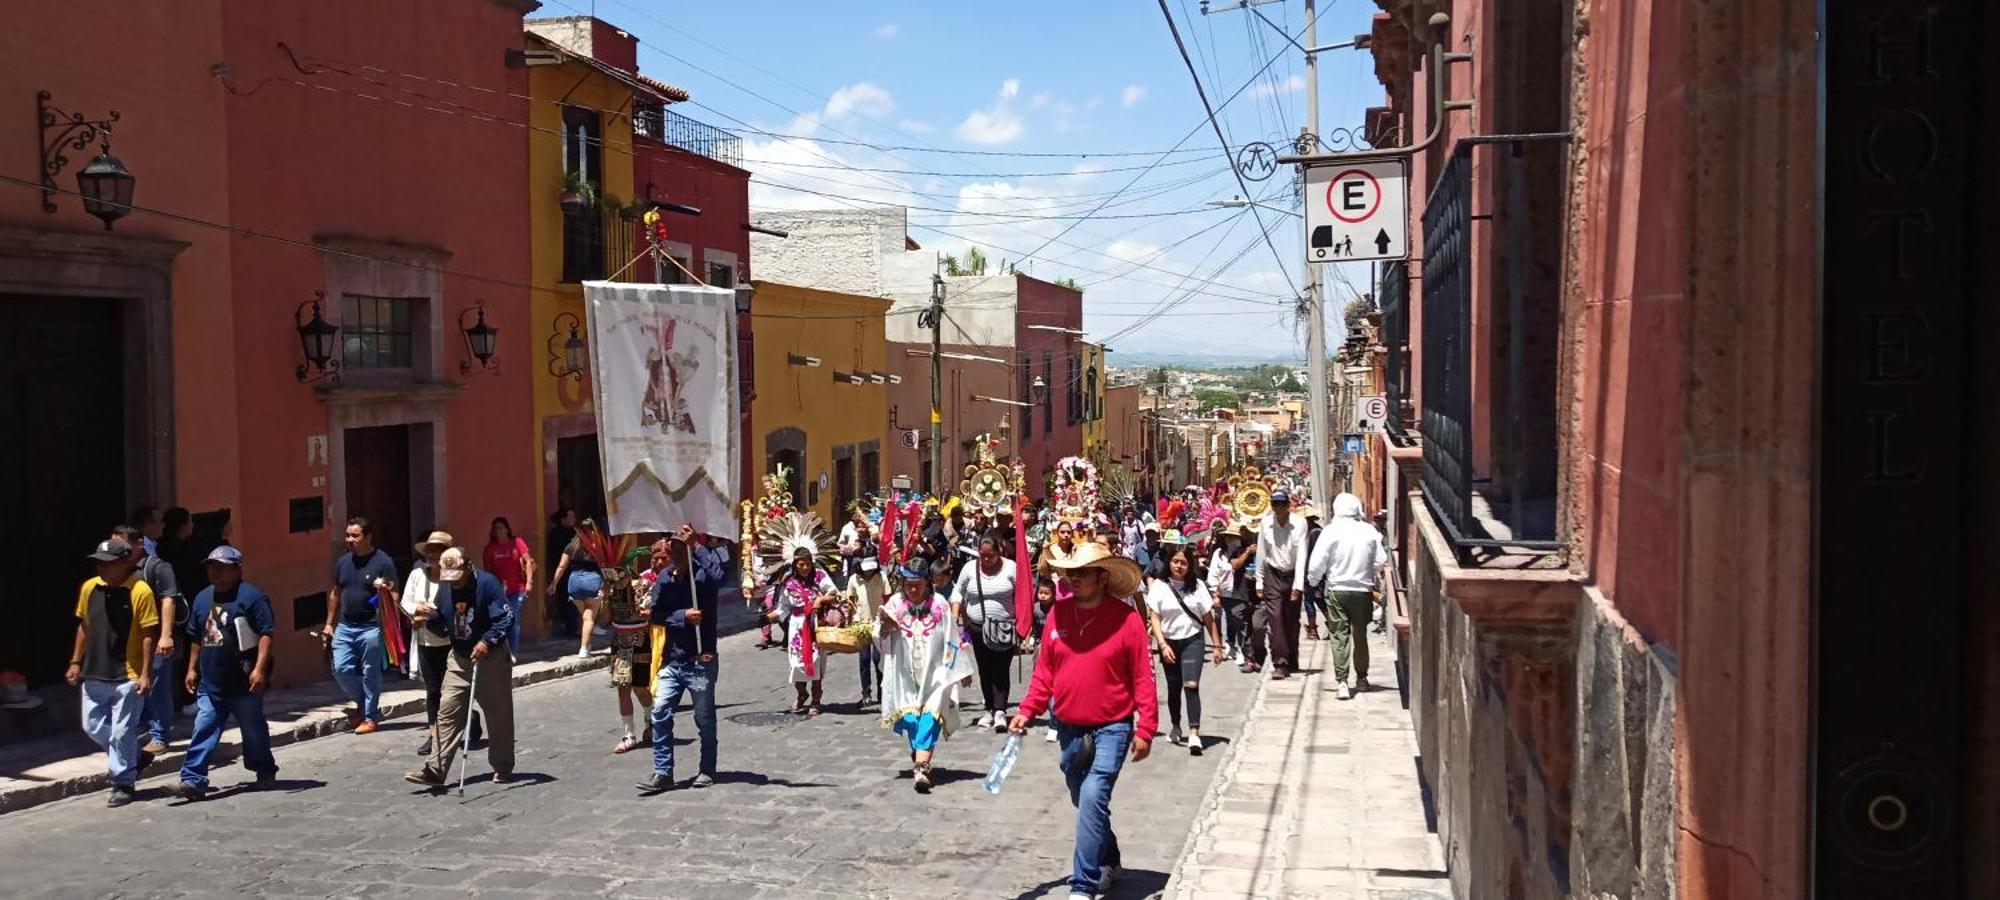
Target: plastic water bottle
[{"x": 1003, "y": 764}]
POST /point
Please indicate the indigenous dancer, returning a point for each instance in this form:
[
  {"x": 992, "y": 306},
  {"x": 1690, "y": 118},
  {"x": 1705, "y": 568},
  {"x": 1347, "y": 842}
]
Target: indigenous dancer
[
  {"x": 628, "y": 600},
  {"x": 799, "y": 595},
  {"x": 925, "y": 662}
]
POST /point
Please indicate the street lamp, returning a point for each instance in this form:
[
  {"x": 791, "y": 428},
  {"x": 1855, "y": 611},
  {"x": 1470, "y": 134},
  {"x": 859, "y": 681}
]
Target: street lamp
[
  {"x": 481, "y": 340},
  {"x": 1240, "y": 203},
  {"x": 104, "y": 184},
  {"x": 1038, "y": 391},
  {"x": 569, "y": 360},
  {"x": 316, "y": 339}
]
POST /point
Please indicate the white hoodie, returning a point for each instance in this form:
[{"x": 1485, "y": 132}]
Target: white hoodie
[{"x": 1349, "y": 551}]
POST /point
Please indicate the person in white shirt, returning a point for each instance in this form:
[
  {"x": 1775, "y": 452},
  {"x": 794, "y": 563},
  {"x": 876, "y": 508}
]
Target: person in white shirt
[
  {"x": 1281, "y": 584},
  {"x": 984, "y": 598},
  {"x": 1349, "y": 559},
  {"x": 1185, "y": 632}
]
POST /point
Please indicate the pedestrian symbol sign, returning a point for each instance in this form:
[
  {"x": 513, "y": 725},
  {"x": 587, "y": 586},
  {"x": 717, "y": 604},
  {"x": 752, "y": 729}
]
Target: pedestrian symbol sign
[{"x": 1357, "y": 211}]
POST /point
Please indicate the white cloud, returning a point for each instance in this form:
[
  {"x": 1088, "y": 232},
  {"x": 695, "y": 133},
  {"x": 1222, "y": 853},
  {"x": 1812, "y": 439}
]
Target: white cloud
[
  {"x": 998, "y": 123},
  {"x": 1291, "y": 85},
  {"x": 916, "y": 126},
  {"x": 863, "y": 98},
  {"x": 887, "y": 30},
  {"x": 1132, "y": 94}
]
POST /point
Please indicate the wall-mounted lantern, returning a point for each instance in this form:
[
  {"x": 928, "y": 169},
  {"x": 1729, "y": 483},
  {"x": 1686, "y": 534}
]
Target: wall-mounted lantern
[
  {"x": 1038, "y": 390},
  {"x": 104, "y": 184},
  {"x": 481, "y": 340},
  {"x": 318, "y": 340},
  {"x": 566, "y": 355}
]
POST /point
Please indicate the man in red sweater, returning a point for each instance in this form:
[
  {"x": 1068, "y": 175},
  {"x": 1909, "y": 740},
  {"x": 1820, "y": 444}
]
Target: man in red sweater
[{"x": 1096, "y": 664}]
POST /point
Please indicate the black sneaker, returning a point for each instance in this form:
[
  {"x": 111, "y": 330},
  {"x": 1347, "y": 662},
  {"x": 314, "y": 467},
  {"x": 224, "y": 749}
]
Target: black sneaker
[
  {"x": 425, "y": 748},
  {"x": 655, "y": 784},
  {"x": 191, "y": 791},
  {"x": 119, "y": 797},
  {"x": 1174, "y": 737},
  {"x": 426, "y": 776}
]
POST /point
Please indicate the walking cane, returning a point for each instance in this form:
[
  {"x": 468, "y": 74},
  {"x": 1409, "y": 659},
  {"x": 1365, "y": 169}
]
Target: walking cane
[{"x": 465, "y": 752}]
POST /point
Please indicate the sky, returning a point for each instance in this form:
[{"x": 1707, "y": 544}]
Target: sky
[{"x": 1064, "y": 138}]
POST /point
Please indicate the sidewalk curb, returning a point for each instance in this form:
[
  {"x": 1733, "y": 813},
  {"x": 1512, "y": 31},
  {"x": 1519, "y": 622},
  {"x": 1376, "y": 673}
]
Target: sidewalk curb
[
  {"x": 319, "y": 722},
  {"x": 1225, "y": 775}
]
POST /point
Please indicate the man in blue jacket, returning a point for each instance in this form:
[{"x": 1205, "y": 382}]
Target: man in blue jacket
[
  {"x": 473, "y": 611},
  {"x": 684, "y": 605},
  {"x": 229, "y": 632}
]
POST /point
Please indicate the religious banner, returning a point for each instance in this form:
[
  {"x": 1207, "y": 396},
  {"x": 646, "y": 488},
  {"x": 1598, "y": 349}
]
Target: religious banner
[{"x": 663, "y": 360}]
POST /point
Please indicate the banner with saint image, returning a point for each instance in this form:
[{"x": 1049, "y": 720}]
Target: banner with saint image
[{"x": 663, "y": 359}]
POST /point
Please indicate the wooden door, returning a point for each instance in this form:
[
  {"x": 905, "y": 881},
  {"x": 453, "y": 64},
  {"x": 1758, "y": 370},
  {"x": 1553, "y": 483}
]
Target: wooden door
[{"x": 378, "y": 486}]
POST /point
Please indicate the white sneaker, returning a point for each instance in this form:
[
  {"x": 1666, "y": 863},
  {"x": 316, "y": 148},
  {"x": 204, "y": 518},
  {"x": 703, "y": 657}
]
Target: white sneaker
[
  {"x": 583, "y": 654},
  {"x": 1340, "y": 691},
  {"x": 1049, "y": 735},
  {"x": 984, "y": 721}
]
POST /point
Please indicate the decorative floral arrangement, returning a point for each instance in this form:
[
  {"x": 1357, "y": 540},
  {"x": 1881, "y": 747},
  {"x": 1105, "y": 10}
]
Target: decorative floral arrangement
[{"x": 1073, "y": 489}]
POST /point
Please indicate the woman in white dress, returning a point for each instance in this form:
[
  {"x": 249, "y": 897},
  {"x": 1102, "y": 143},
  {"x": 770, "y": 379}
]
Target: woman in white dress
[
  {"x": 925, "y": 660},
  {"x": 798, "y": 597},
  {"x": 1184, "y": 630}
]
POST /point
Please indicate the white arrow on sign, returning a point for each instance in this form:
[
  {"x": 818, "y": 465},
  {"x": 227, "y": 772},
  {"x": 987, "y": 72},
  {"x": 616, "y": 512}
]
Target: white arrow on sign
[
  {"x": 1371, "y": 412},
  {"x": 1357, "y": 211}
]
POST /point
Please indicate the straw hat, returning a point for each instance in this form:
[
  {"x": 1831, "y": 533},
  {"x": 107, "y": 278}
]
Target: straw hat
[
  {"x": 1121, "y": 574},
  {"x": 437, "y": 542}
]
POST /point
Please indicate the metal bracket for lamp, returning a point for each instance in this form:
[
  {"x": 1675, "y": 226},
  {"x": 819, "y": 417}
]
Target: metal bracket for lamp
[
  {"x": 566, "y": 353},
  {"x": 1440, "y": 83},
  {"x": 104, "y": 184}
]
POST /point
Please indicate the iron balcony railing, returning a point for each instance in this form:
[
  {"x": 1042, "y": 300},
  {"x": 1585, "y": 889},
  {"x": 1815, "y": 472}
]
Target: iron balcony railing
[
  {"x": 673, "y": 129},
  {"x": 1395, "y": 291},
  {"x": 1447, "y": 339},
  {"x": 596, "y": 243}
]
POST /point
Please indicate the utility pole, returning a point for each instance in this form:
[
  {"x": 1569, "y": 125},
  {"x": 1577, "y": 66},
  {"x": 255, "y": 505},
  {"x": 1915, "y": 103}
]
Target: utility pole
[
  {"x": 936, "y": 315},
  {"x": 1319, "y": 405}
]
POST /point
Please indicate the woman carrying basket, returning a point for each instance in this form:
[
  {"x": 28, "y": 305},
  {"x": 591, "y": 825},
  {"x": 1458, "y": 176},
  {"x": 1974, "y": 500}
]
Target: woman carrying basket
[{"x": 798, "y": 597}]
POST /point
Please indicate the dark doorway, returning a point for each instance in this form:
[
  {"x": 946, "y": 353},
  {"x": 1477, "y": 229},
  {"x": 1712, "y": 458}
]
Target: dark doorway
[
  {"x": 378, "y": 486},
  {"x": 843, "y": 486},
  {"x": 580, "y": 477},
  {"x": 62, "y": 464}
]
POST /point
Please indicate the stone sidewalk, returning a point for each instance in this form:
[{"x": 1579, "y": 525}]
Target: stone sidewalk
[
  {"x": 1322, "y": 799},
  {"x": 67, "y": 763}
]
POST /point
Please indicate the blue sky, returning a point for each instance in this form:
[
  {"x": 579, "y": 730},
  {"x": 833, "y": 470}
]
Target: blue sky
[{"x": 823, "y": 80}]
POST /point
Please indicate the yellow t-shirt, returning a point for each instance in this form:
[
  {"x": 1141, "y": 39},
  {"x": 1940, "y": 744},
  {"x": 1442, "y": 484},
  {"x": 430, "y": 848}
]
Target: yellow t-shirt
[{"x": 115, "y": 627}]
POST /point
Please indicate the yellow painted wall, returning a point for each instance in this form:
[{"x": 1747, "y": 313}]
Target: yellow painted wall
[
  {"x": 1093, "y": 424},
  {"x": 580, "y": 85},
  {"x": 845, "y": 331}
]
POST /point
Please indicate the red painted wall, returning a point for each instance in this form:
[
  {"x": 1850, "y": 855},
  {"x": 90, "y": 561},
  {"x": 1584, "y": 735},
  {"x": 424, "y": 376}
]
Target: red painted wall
[
  {"x": 1042, "y": 303},
  {"x": 308, "y": 163}
]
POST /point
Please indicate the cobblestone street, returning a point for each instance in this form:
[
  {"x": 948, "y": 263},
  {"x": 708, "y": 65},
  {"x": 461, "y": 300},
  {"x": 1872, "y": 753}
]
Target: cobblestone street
[{"x": 803, "y": 808}]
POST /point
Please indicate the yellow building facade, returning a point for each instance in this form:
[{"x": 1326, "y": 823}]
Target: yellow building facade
[
  {"x": 580, "y": 133},
  {"x": 1090, "y": 369},
  {"x": 822, "y": 403}
]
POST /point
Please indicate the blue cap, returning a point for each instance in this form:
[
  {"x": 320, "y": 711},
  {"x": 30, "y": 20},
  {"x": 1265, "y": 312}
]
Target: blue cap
[
  {"x": 227, "y": 555},
  {"x": 1281, "y": 496}
]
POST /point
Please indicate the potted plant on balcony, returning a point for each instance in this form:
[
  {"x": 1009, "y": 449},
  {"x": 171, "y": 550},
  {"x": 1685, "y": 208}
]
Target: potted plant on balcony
[{"x": 578, "y": 194}]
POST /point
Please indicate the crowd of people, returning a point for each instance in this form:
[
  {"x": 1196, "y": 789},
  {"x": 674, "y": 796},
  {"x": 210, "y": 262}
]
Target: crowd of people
[{"x": 1090, "y": 598}]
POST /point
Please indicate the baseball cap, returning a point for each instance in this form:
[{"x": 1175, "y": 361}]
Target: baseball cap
[
  {"x": 451, "y": 565},
  {"x": 112, "y": 550},
  {"x": 225, "y": 554},
  {"x": 1281, "y": 496}
]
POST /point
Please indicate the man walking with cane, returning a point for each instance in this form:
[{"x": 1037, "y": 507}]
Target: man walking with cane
[
  {"x": 1096, "y": 665},
  {"x": 474, "y": 612}
]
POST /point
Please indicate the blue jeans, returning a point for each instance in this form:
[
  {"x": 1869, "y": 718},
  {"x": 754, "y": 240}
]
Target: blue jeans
[
  {"x": 159, "y": 710},
  {"x": 516, "y": 602},
  {"x": 212, "y": 713},
  {"x": 677, "y": 678},
  {"x": 357, "y": 665},
  {"x": 111, "y": 711},
  {"x": 1090, "y": 781}
]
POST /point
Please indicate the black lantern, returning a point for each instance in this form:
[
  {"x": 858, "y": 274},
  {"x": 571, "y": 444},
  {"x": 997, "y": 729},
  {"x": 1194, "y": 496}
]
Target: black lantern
[
  {"x": 566, "y": 356},
  {"x": 1038, "y": 390},
  {"x": 481, "y": 339},
  {"x": 317, "y": 339},
  {"x": 106, "y": 187}
]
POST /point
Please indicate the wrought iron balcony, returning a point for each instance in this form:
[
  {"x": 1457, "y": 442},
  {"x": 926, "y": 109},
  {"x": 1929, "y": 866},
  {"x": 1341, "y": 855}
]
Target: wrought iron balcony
[{"x": 673, "y": 129}]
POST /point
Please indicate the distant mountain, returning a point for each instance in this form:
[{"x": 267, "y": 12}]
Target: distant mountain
[{"x": 1199, "y": 360}]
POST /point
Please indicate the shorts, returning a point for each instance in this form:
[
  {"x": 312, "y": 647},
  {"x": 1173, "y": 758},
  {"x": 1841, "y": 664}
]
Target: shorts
[
  {"x": 585, "y": 585},
  {"x": 922, "y": 730}
]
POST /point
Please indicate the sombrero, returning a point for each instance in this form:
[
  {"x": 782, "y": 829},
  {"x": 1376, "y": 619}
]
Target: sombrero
[{"x": 1121, "y": 574}]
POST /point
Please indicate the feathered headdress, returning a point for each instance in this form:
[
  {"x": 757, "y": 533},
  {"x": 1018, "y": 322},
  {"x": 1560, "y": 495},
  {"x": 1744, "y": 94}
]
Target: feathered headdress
[{"x": 778, "y": 531}]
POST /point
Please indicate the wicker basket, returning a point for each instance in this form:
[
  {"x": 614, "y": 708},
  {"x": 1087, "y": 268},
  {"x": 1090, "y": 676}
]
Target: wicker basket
[{"x": 840, "y": 640}]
